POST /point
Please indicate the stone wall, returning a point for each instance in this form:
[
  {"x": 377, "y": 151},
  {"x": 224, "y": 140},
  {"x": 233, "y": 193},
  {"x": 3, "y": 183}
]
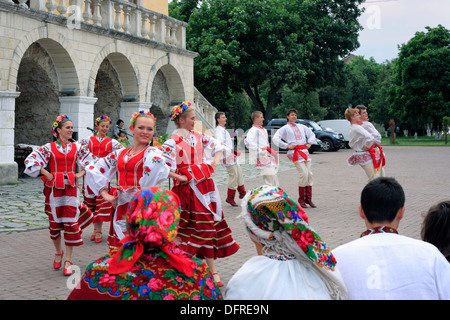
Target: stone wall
[{"x": 37, "y": 105}]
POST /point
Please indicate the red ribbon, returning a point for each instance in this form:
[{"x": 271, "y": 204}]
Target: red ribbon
[
  {"x": 298, "y": 152},
  {"x": 382, "y": 161},
  {"x": 119, "y": 263},
  {"x": 273, "y": 153}
]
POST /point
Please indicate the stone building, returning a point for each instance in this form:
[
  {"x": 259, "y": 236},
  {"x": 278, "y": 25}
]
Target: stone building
[{"x": 84, "y": 58}]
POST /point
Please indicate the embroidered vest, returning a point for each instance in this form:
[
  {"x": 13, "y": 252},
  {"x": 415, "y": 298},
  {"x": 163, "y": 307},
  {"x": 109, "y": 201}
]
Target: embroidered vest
[
  {"x": 190, "y": 159},
  {"x": 100, "y": 149},
  {"x": 62, "y": 165},
  {"x": 129, "y": 173}
]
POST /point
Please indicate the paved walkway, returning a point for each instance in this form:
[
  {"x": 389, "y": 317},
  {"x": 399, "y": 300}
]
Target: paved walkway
[{"x": 26, "y": 252}]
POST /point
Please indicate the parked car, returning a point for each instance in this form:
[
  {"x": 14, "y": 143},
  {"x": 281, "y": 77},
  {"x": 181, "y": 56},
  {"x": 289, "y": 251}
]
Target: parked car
[
  {"x": 329, "y": 141},
  {"x": 338, "y": 125}
]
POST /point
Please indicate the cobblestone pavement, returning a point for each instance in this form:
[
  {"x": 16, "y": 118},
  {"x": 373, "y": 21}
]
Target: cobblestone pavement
[{"x": 26, "y": 253}]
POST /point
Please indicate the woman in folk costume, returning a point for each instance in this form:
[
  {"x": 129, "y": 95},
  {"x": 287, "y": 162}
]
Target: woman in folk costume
[
  {"x": 149, "y": 265},
  {"x": 293, "y": 262},
  {"x": 298, "y": 138},
  {"x": 368, "y": 152},
  {"x": 203, "y": 229},
  {"x": 100, "y": 146},
  {"x": 62, "y": 205},
  {"x": 136, "y": 167}
]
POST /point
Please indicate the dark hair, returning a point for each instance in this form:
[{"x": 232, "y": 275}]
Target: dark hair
[
  {"x": 381, "y": 199},
  {"x": 119, "y": 121},
  {"x": 361, "y": 107},
  {"x": 291, "y": 111},
  {"x": 436, "y": 227},
  {"x": 218, "y": 114}
]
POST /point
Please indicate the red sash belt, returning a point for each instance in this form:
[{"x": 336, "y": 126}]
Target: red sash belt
[
  {"x": 198, "y": 172},
  {"x": 382, "y": 161},
  {"x": 298, "y": 152}
]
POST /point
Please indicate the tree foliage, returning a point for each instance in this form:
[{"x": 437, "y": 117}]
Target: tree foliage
[
  {"x": 420, "y": 93},
  {"x": 245, "y": 45}
]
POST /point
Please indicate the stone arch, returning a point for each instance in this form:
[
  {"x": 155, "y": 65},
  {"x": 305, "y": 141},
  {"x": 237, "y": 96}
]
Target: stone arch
[
  {"x": 173, "y": 78},
  {"x": 165, "y": 88},
  {"x": 58, "y": 49},
  {"x": 128, "y": 75},
  {"x": 108, "y": 92}
]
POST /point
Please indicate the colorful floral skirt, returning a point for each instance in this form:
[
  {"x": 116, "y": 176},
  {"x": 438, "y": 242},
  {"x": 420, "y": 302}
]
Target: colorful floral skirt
[{"x": 151, "y": 278}]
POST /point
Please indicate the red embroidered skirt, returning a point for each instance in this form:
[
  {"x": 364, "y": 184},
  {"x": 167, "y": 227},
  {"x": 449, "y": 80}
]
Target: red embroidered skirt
[
  {"x": 200, "y": 235},
  {"x": 102, "y": 210},
  {"x": 72, "y": 230}
]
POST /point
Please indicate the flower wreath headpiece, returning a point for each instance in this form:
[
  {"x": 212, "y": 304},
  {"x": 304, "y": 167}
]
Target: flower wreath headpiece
[
  {"x": 103, "y": 117},
  {"x": 56, "y": 124},
  {"x": 178, "y": 111},
  {"x": 134, "y": 116}
]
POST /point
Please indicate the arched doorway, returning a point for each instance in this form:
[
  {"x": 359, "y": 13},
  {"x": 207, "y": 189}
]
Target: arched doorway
[{"x": 108, "y": 92}]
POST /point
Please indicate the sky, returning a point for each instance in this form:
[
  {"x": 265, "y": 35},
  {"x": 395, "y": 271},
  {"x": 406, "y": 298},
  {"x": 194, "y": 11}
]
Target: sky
[{"x": 390, "y": 23}]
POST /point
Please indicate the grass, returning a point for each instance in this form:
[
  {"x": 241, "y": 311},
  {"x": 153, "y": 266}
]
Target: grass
[{"x": 411, "y": 141}]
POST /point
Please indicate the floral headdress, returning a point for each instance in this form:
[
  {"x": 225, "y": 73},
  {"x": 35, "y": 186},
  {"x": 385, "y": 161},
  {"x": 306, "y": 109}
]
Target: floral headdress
[
  {"x": 103, "y": 117},
  {"x": 270, "y": 212},
  {"x": 179, "y": 110},
  {"x": 134, "y": 116},
  {"x": 152, "y": 223},
  {"x": 281, "y": 225},
  {"x": 56, "y": 124}
]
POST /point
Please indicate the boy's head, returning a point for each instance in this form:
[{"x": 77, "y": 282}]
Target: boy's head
[
  {"x": 291, "y": 115},
  {"x": 257, "y": 117},
  {"x": 381, "y": 200},
  {"x": 221, "y": 118}
]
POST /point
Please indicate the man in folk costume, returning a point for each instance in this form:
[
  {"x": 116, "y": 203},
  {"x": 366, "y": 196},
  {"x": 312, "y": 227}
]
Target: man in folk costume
[
  {"x": 298, "y": 139},
  {"x": 230, "y": 160},
  {"x": 366, "y": 124},
  {"x": 62, "y": 205},
  {"x": 100, "y": 146},
  {"x": 264, "y": 157},
  {"x": 368, "y": 152}
]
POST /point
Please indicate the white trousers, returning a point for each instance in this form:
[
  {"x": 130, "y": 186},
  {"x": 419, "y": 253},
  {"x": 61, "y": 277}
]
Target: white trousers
[
  {"x": 235, "y": 177},
  {"x": 269, "y": 176},
  {"x": 305, "y": 175},
  {"x": 369, "y": 170}
]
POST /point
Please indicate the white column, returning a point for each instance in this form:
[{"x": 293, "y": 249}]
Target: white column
[
  {"x": 81, "y": 111},
  {"x": 8, "y": 168}
]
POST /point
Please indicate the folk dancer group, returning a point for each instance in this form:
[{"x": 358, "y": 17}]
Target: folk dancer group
[
  {"x": 203, "y": 231},
  {"x": 189, "y": 158}
]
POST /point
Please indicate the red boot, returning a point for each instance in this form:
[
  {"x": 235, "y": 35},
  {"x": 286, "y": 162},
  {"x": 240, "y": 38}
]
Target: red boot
[
  {"x": 230, "y": 197},
  {"x": 308, "y": 196},
  {"x": 301, "y": 197},
  {"x": 242, "y": 192}
]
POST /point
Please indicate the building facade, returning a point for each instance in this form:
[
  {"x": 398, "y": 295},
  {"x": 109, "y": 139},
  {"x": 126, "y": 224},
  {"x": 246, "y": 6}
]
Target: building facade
[{"x": 84, "y": 58}]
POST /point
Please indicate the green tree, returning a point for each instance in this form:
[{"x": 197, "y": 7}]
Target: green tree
[
  {"x": 306, "y": 104},
  {"x": 379, "y": 108},
  {"x": 359, "y": 86},
  {"x": 244, "y": 45},
  {"x": 420, "y": 94},
  {"x": 182, "y": 9}
]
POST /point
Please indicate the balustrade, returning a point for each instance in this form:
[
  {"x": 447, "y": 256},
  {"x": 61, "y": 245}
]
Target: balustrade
[{"x": 117, "y": 15}]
